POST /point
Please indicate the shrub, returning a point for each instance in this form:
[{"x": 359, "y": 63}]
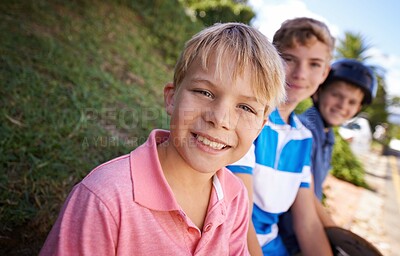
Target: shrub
[{"x": 345, "y": 165}]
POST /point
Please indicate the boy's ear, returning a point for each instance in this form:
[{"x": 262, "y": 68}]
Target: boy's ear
[
  {"x": 264, "y": 121},
  {"x": 326, "y": 72},
  {"x": 169, "y": 97},
  {"x": 359, "y": 108}
]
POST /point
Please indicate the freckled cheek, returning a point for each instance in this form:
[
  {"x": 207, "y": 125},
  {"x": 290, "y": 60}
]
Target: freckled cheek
[
  {"x": 251, "y": 122},
  {"x": 187, "y": 116},
  {"x": 352, "y": 113},
  {"x": 250, "y": 127},
  {"x": 331, "y": 101},
  {"x": 245, "y": 140}
]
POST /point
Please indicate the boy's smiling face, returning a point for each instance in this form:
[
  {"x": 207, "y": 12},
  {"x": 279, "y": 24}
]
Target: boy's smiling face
[
  {"x": 306, "y": 68},
  {"x": 214, "y": 119},
  {"x": 339, "y": 102}
]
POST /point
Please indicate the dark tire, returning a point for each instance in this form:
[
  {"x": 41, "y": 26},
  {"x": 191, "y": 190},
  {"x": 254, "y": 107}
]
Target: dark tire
[{"x": 346, "y": 243}]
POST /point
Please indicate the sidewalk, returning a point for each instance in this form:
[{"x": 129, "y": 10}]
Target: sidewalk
[{"x": 363, "y": 211}]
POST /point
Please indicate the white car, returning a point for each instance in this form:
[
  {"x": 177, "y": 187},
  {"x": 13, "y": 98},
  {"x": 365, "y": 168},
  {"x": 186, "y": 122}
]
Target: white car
[
  {"x": 394, "y": 144},
  {"x": 357, "y": 132}
]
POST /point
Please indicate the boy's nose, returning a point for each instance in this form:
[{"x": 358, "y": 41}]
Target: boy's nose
[
  {"x": 221, "y": 116},
  {"x": 299, "y": 71},
  {"x": 341, "y": 103}
]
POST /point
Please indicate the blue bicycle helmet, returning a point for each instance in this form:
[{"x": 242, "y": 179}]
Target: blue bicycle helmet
[{"x": 354, "y": 72}]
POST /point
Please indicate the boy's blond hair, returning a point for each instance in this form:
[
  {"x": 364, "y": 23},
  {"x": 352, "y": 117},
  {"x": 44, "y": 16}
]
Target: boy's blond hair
[
  {"x": 303, "y": 31},
  {"x": 242, "y": 46}
]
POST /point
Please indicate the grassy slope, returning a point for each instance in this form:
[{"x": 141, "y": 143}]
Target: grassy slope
[{"x": 81, "y": 82}]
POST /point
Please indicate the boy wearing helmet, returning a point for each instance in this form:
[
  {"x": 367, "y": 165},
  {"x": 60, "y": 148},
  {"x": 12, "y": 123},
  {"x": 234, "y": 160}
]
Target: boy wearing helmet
[{"x": 349, "y": 86}]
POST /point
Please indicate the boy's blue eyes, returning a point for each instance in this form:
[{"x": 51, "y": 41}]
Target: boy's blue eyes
[
  {"x": 206, "y": 93},
  {"x": 316, "y": 65},
  {"x": 211, "y": 96},
  {"x": 247, "y": 109},
  {"x": 338, "y": 95},
  {"x": 287, "y": 59},
  {"x": 290, "y": 59}
]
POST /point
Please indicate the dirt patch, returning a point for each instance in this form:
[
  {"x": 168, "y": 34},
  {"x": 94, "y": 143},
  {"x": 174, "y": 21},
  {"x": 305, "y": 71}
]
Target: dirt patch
[{"x": 342, "y": 200}]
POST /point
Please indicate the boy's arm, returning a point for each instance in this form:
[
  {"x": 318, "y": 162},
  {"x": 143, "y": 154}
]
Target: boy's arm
[
  {"x": 84, "y": 226},
  {"x": 323, "y": 215},
  {"x": 244, "y": 170},
  {"x": 252, "y": 242},
  {"x": 307, "y": 225}
]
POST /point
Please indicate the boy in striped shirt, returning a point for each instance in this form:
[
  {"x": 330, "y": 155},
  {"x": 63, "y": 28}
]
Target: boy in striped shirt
[{"x": 276, "y": 170}]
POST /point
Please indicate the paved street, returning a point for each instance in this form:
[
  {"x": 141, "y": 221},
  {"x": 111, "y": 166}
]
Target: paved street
[{"x": 372, "y": 214}]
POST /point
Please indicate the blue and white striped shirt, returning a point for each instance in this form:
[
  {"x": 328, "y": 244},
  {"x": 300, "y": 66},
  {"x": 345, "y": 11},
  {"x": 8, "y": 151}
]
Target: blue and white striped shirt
[{"x": 279, "y": 161}]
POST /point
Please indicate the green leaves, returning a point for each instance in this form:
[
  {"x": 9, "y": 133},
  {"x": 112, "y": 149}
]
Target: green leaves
[{"x": 345, "y": 165}]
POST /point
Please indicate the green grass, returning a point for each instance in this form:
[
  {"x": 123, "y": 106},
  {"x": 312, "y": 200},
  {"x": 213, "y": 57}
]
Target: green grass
[{"x": 81, "y": 83}]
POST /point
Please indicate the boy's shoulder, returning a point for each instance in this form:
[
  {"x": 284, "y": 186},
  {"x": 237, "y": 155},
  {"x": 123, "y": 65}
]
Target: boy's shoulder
[
  {"x": 298, "y": 124},
  {"x": 312, "y": 119},
  {"x": 119, "y": 173},
  {"x": 277, "y": 127},
  {"x": 230, "y": 179},
  {"x": 114, "y": 173}
]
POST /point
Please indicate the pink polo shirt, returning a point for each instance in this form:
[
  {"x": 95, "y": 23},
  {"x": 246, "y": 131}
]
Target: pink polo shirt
[{"x": 126, "y": 207}]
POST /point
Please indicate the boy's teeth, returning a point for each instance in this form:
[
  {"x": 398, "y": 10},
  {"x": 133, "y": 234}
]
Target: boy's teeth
[{"x": 210, "y": 143}]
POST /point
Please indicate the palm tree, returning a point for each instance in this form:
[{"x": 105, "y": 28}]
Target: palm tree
[{"x": 353, "y": 46}]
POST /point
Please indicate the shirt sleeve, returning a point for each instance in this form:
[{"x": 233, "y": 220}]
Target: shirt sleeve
[
  {"x": 84, "y": 227},
  {"x": 246, "y": 164},
  {"x": 306, "y": 172}
]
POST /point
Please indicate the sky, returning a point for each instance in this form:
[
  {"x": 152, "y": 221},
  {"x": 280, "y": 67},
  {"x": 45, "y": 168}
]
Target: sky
[{"x": 377, "y": 21}]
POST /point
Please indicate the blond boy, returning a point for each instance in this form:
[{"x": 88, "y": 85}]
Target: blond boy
[{"x": 172, "y": 195}]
